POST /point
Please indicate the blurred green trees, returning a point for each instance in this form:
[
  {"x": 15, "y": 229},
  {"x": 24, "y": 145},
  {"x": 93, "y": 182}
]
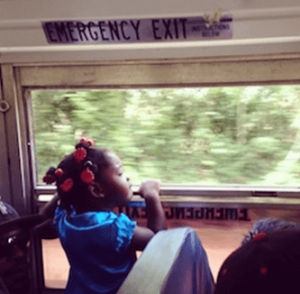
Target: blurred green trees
[{"x": 237, "y": 135}]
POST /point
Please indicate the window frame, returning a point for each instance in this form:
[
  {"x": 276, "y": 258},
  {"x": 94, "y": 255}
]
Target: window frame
[{"x": 198, "y": 72}]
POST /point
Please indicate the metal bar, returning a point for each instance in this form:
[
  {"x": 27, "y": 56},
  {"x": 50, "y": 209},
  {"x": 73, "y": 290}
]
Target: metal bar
[
  {"x": 13, "y": 121},
  {"x": 192, "y": 198},
  {"x": 162, "y": 74},
  {"x": 5, "y": 188},
  {"x": 208, "y": 191}
]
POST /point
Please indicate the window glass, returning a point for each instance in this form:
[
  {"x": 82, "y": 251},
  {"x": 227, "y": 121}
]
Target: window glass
[{"x": 229, "y": 135}]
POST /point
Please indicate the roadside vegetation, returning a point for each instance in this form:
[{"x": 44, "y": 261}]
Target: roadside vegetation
[{"x": 232, "y": 135}]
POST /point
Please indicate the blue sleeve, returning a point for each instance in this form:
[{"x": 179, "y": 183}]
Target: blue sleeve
[{"x": 125, "y": 229}]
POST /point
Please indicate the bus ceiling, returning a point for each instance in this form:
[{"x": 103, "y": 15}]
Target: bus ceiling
[{"x": 46, "y": 31}]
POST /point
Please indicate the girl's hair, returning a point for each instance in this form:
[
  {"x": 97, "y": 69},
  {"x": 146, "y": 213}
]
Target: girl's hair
[
  {"x": 269, "y": 263},
  {"x": 76, "y": 171}
]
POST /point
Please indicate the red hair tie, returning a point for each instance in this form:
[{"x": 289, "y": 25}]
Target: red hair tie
[
  {"x": 67, "y": 185},
  {"x": 49, "y": 179},
  {"x": 263, "y": 270},
  {"x": 259, "y": 237},
  {"x": 80, "y": 154},
  {"x": 59, "y": 172},
  {"x": 90, "y": 142},
  {"x": 87, "y": 176}
]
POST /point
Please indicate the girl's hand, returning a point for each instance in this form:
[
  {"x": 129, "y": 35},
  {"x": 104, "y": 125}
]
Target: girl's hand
[{"x": 149, "y": 189}]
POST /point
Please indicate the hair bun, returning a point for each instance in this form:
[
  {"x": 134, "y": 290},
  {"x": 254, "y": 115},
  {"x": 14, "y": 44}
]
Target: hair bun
[
  {"x": 89, "y": 142},
  {"x": 49, "y": 177},
  {"x": 84, "y": 143}
]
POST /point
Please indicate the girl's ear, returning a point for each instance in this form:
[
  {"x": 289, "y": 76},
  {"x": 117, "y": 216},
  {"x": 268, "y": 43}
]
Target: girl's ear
[{"x": 96, "y": 190}]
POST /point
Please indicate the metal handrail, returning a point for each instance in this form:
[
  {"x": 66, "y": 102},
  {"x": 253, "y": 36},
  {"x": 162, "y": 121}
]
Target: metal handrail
[{"x": 201, "y": 196}]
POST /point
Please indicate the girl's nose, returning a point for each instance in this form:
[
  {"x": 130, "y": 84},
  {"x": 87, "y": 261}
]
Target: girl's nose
[{"x": 128, "y": 179}]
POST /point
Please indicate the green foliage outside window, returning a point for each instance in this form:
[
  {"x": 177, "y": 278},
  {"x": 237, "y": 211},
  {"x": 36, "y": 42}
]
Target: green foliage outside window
[{"x": 236, "y": 135}]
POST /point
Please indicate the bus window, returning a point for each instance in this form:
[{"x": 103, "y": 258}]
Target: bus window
[
  {"x": 222, "y": 140},
  {"x": 217, "y": 136}
]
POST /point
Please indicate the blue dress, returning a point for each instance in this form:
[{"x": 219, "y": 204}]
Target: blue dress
[{"x": 96, "y": 244}]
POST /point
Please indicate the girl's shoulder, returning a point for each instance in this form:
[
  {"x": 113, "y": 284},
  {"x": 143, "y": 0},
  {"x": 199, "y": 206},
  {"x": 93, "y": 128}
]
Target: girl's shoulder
[{"x": 90, "y": 218}]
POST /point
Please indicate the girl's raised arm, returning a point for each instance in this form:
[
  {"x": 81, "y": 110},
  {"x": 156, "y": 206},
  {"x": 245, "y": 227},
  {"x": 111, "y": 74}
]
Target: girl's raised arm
[
  {"x": 149, "y": 190},
  {"x": 49, "y": 209},
  {"x": 46, "y": 229}
]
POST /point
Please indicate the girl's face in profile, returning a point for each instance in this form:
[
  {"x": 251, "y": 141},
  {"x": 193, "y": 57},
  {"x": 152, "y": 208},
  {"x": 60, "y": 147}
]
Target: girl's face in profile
[{"x": 116, "y": 185}]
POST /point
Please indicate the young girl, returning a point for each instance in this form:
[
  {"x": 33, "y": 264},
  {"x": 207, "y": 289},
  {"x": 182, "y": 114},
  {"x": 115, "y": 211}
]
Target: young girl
[{"x": 100, "y": 245}]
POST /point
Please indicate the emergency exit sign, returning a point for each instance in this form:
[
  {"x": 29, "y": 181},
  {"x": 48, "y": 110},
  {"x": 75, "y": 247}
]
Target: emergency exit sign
[{"x": 137, "y": 30}]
